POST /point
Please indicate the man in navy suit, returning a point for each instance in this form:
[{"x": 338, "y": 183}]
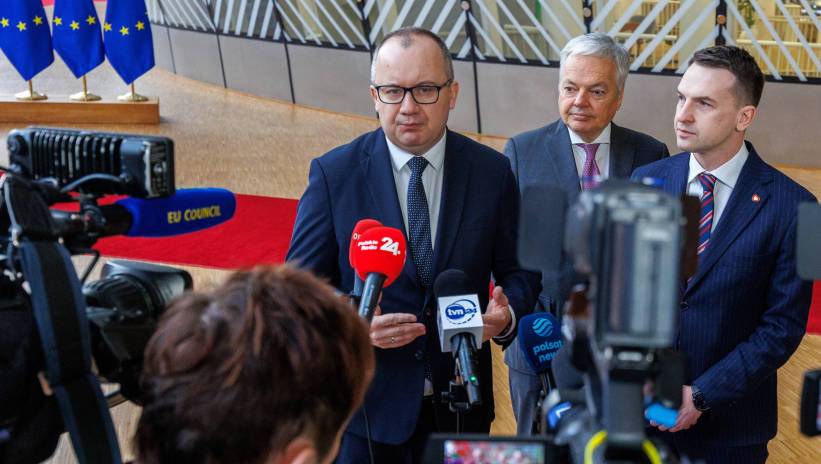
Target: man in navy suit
[
  {"x": 458, "y": 203},
  {"x": 745, "y": 310},
  {"x": 573, "y": 153}
]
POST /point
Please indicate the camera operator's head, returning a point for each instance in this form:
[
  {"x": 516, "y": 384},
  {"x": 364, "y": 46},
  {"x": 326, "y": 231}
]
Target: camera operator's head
[{"x": 268, "y": 368}]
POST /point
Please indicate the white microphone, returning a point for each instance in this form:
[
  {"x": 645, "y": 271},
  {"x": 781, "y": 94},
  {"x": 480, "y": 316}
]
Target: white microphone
[{"x": 460, "y": 326}]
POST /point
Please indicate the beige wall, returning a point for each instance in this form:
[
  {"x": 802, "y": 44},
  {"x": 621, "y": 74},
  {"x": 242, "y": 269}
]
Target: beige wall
[{"x": 514, "y": 98}]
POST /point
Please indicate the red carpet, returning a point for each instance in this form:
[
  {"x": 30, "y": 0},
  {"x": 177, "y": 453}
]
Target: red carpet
[
  {"x": 814, "y": 324},
  {"x": 259, "y": 233}
]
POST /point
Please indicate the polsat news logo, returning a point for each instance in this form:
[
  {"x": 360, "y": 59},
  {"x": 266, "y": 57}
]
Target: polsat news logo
[{"x": 194, "y": 214}]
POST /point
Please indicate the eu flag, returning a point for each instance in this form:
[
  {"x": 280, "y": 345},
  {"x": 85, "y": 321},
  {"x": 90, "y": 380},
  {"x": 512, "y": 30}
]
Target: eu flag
[
  {"x": 25, "y": 37},
  {"x": 77, "y": 37},
  {"x": 127, "y": 35}
]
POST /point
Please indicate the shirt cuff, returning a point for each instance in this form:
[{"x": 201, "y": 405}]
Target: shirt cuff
[{"x": 507, "y": 333}]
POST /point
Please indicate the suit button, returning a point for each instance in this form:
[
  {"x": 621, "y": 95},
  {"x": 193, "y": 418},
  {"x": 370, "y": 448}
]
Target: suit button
[
  {"x": 428, "y": 312},
  {"x": 419, "y": 355},
  {"x": 684, "y": 305}
]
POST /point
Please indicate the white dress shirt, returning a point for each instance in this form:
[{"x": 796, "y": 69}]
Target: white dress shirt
[
  {"x": 726, "y": 178},
  {"x": 602, "y": 153},
  {"x": 432, "y": 178}
]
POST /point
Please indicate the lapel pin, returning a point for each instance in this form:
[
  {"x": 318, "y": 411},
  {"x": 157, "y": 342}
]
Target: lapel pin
[{"x": 756, "y": 198}]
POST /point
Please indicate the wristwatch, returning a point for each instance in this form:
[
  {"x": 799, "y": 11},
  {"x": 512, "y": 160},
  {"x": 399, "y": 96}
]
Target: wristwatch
[{"x": 698, "y": 400}]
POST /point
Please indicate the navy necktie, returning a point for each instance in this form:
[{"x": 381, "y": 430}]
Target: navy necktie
[{"x": 419, "y": 222}]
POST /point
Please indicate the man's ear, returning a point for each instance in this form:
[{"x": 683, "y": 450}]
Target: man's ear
[
  {"x": 454, "y": 93},
  {"x": 375, "y": 98},
  {"x": 746, "y": 115},
  {"x": 299, "y": 451}
]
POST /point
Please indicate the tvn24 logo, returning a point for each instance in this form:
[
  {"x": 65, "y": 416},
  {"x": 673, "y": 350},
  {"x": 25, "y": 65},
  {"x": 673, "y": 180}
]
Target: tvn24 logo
[{"x": 461, "y": 311}]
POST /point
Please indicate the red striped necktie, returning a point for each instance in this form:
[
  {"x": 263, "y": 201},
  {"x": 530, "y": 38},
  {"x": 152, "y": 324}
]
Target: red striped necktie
[{"x": 705, "y": 225}]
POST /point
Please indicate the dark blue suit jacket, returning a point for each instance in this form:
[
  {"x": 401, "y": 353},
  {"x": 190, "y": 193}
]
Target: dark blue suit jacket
[
  {"x": 544, "y": 157},
  {"x": 745, "y": 311},
  {"x": 477, "y": 233}
]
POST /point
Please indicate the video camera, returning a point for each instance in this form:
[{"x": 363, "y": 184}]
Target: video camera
[
  {"x": 50, "y": 326},
  {"x": 630, "y": 245}
]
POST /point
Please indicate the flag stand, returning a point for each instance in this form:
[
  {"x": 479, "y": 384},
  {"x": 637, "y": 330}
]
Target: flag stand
[
  {"x": 132, "y": 96},
  {"x": 30, "y": 95},
  {"x": 84, "y": 95}
]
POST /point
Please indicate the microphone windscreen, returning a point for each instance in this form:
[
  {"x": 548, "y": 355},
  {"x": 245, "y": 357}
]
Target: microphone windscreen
[
  {"x": 360, "y": 227},
  {"x": 380, "y": 250},
  {"x": 187, "y": 210},
  {"x": 452, "y": 282},
  {"x": 540, "y": 338}
]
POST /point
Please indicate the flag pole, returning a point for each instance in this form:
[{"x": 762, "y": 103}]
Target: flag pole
[
  {"x": 84, "y": 95},
  {"x": 30, "y": 95},
  {"x": 132, "y": 96}
]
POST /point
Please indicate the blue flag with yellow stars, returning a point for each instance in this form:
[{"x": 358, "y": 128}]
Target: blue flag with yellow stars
[
  {"x": 77, "y": 37},
  {"x": 25, "y": 37},
  {"x": 127, "y": 36}
]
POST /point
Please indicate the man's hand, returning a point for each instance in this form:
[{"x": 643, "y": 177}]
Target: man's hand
[
  {"x": 394, "y": 330},
  {"x": 688, "y": 415},
  {"x": 497, "y": 317}
]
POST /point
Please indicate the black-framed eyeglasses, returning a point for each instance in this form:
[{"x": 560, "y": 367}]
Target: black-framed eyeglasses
[{"x": 425, "y": 94}]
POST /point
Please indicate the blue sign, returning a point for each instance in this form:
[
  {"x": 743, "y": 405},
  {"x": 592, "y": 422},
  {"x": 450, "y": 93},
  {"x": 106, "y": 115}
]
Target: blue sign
[{"x": 461, "y": 311}]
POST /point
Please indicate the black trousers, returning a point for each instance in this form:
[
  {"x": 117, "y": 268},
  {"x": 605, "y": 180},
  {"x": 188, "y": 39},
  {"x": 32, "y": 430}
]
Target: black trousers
[{"x": 434, "y": 417}]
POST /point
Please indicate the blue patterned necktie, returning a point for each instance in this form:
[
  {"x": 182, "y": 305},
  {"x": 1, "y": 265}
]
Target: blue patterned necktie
[
  {"x": 419, "y": 222},
  {"x": 705, "y": 225}
]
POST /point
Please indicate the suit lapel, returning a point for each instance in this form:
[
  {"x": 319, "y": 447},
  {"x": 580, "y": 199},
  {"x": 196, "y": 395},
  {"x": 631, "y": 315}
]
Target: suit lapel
[
  {"x": 739, "y": 211},
  {"x": 454, "y": 189},
  {"x": 675, "y": 177},
  {"x": 559, "y": 151},
  {"x": 376, "y": 166},
  {"x": 622, "y": 154}
]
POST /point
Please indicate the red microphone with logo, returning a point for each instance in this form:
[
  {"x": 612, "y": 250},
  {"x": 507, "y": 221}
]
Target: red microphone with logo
[
  {"x": 379, "y": 256},
  {"x": 359, "y": 228}
]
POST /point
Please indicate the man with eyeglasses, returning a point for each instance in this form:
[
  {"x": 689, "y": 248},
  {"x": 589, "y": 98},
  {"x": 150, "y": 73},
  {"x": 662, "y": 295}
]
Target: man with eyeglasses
[{"x": 458, "y": 204}]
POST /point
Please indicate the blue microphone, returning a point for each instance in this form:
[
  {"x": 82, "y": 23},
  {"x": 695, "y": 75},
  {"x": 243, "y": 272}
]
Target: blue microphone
[
  {"x": 540, "y": 338},
  {"x": 188, "y": 210}
]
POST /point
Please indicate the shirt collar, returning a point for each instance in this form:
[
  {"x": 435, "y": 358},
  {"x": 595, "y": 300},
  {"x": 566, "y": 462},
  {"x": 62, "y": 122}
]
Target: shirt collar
[
  {"x": 604, "y": 137},
  {"x": 435, "y": 156},
  {"x": 727, "y": 173}
]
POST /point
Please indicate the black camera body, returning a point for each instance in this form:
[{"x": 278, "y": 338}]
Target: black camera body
[
  {"x": 627, "y": 242},
  {"x": 52, "y": 326}
]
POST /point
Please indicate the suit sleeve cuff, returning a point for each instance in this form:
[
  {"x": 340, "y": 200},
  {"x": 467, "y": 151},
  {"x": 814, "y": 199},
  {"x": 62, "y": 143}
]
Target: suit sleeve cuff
[{"x": 507, "y": 334}]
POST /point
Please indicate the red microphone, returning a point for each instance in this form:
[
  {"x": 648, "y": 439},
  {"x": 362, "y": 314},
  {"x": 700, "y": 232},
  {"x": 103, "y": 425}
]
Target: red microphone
[
  {"x": 379, "y": 254},
  {"x": 360, "y": 227}
]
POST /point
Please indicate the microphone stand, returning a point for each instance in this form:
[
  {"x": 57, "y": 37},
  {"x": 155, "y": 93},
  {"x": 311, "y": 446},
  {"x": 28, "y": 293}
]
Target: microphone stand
[{"x": 355, "y": 301}]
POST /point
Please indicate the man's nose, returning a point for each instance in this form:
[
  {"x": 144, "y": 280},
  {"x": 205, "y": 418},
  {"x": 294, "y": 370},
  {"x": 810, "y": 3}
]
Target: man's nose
[
  {"x": 582, "y": 98},
  {"x": 684, "y": 112},
  {"x": 408, "y": 104}
]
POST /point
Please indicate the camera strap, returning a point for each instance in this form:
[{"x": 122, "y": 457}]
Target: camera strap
[{"x": 60, "y": 312}]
